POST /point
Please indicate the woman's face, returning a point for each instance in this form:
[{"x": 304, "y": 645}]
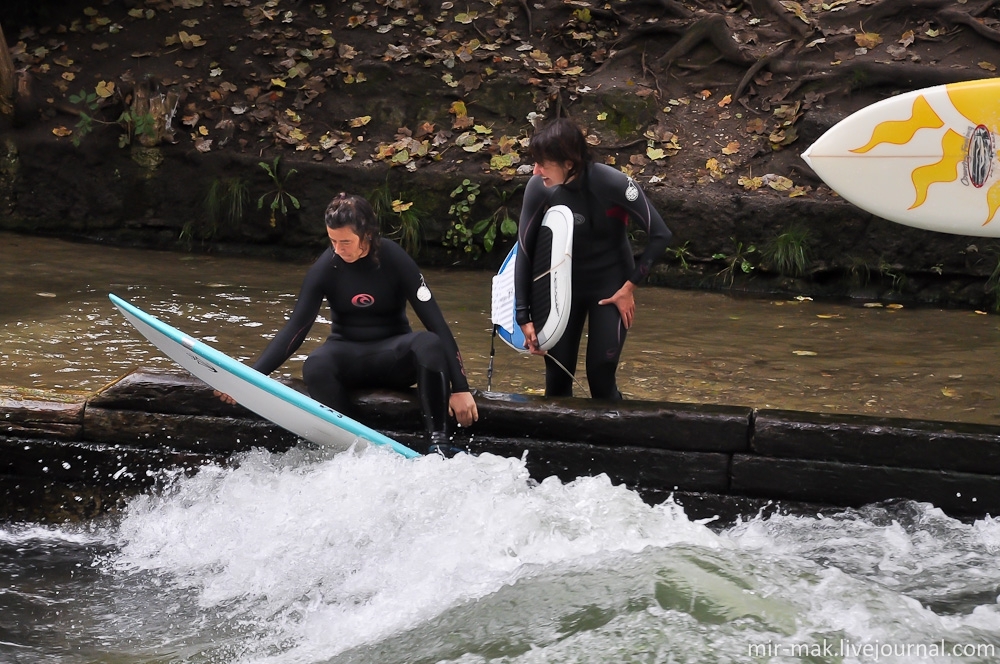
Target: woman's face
[
  {"x": 347, "y": 244},
  {"x": 553, "y": 172}
]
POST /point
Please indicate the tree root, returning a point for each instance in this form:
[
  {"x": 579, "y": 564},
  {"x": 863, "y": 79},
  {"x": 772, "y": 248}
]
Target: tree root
[
  {"x": 654, "y": 30},
  {"x": 527, "y": 14},
  {"x": 775, "y": 8},
  {"x": 885, "y": 9},
  {"x": 863, "y": 74},
  {"x": 649, "y": 72},
  {"x": 789, "y": 58},
  {"x": 755, "y": 69},
  {"x": 714, "y": 29},
  {"x": 983, "y": 8},
  {"x": 963, "y": 18},
  {"x": 614, "y": 56},
  {"x": 671, "y": 7},
  {"x": 610, "y": 15}
]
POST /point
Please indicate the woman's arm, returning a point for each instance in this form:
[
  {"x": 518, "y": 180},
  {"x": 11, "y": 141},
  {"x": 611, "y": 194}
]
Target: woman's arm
[
  {"x": 613, "y": 186},
  {"x": 532, "y": 212},
  {"x": 426, "y": 307},
  {"x": 291, "y": 336}
]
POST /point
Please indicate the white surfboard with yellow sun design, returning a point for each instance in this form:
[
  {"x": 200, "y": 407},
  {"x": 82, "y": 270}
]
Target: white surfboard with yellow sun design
[{"x": 926, "y": 158}]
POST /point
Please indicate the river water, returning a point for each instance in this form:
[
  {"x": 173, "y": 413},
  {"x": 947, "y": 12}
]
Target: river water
[
  {"x": 359, "y": 558},
  {"x": 373, "y": 558},
  {"x": 59, "y": 331}
]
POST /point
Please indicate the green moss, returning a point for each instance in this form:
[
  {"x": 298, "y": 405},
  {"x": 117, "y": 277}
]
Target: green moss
[
  {"x": 620, "y": 115},
  {"x": 148, "y": 158}
]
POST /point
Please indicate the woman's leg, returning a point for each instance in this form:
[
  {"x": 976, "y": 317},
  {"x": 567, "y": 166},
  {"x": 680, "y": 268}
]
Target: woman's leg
[
  {"x": 433, "y": 386},
  {"x": 558, "y": 383},
  {"x": 323, "y": 373},
  {"x": 395, "y": 363},
  {"x": 605, "y": 340}
]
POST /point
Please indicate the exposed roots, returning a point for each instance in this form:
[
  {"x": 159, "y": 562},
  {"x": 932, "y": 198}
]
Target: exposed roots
[
  {"x": 756, "y": 68},
  {"x": 958, "y": 17},
  {"x": 858, "y": 75},
  {"x": 776, "y": 9},
  {"x": 712, "y": 28},
  {"x": 527, "y": 14},
  {"x": 855, "y": 74}
]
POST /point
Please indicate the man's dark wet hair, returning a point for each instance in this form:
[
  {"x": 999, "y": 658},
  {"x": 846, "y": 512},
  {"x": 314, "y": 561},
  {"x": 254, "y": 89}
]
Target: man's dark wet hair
[
  {"x": 349, "y": 210},
  {"x": 561, "y": 140}
]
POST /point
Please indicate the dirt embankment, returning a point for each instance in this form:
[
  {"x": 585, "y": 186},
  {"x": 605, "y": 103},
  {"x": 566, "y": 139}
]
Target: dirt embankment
[{"x": 226, "y": 125}]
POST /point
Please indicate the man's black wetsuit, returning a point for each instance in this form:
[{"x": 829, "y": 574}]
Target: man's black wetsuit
[
  {"x": 603, "y": 200},
  {"x": 371, "y": 343}
]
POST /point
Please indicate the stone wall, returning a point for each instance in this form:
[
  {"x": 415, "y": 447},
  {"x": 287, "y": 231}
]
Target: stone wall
[{"x": 63, "y": 458}]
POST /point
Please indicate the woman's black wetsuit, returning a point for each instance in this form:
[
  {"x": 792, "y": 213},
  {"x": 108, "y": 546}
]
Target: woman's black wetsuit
[
  {"x": 371, "y": 343},
  {"x": 603, "y": 200}
]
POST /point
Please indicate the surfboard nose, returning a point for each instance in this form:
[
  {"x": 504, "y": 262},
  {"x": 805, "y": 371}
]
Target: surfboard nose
[{"x": 806, "y": 157}]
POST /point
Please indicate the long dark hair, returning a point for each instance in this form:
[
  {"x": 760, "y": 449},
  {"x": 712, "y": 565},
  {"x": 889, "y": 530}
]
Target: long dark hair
[
  {"x": 561, "y": 140},
  {"x": 349, "y": 210}
]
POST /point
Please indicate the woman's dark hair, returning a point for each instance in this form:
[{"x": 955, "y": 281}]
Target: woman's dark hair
[
  {"x": 561, "y": 140},
  {"x": 357, "y": 213}
]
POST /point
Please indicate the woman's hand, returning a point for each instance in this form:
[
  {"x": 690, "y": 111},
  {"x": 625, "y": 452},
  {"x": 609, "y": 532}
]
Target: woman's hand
[
  {"x": 531, "y": 339},
  {"x": 224, "y": 397},
  {"x": 625, "y": 302},
  {"x": 463, "y": 408}
]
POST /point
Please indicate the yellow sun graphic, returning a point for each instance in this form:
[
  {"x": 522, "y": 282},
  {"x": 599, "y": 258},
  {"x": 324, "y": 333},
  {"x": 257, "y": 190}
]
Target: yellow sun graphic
[{"x": 979, "y": 106}]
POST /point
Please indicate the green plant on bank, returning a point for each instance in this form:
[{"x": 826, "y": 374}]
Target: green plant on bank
[
  {"x": 789, "y": 252},
  {"x": 225, "y": 205},
  {"x": 464, "y": 230},
  {"x": 992, "y": 287},
  {"x": 886, "y": 269},
  {"x": 860, "y": 271},
  {"x": 134, "y": 124},
  {"x": 680, "y": 254},
  {"x": 459, "y": 234},
  {"x": 499, "y": 221},
  {"x": 402, "y": 219},
  {"x": 738, "y": 261},
  {"x": 279, "y": 196}
]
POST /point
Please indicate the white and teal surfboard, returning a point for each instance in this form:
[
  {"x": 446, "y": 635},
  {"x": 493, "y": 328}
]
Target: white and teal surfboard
[{"x": 265, "y": 396}]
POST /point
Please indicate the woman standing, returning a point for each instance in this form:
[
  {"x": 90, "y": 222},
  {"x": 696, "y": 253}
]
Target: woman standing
[
  {"x": 368, "y": 281},
  {"x": 603, "y": 200}
]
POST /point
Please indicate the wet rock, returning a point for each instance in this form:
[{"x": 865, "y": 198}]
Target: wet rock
[
  {"x": 41, "y": 418},
  {"x": 647, "y": 424},
  {"x": 854, "y": 485},
  {"x": 878, "y": 441},
  {"x": 164, "y": 391},
  {"x": 199, "y": 433}
]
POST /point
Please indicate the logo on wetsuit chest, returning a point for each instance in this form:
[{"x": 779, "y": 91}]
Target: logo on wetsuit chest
[
  {"x": 631, "y": 191},
  {"x": 363, "y": 300},
  {"x": 423, "y": 292}
]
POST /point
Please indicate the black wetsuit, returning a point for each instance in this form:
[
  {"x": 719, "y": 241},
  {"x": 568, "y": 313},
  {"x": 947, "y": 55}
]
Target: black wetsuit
[
  {"x": 371, "y": 343},
  {"x": 603, "y": 200}
]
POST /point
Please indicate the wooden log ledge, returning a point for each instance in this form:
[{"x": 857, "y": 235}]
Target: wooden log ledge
[{"x": 66, "y": 456}]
